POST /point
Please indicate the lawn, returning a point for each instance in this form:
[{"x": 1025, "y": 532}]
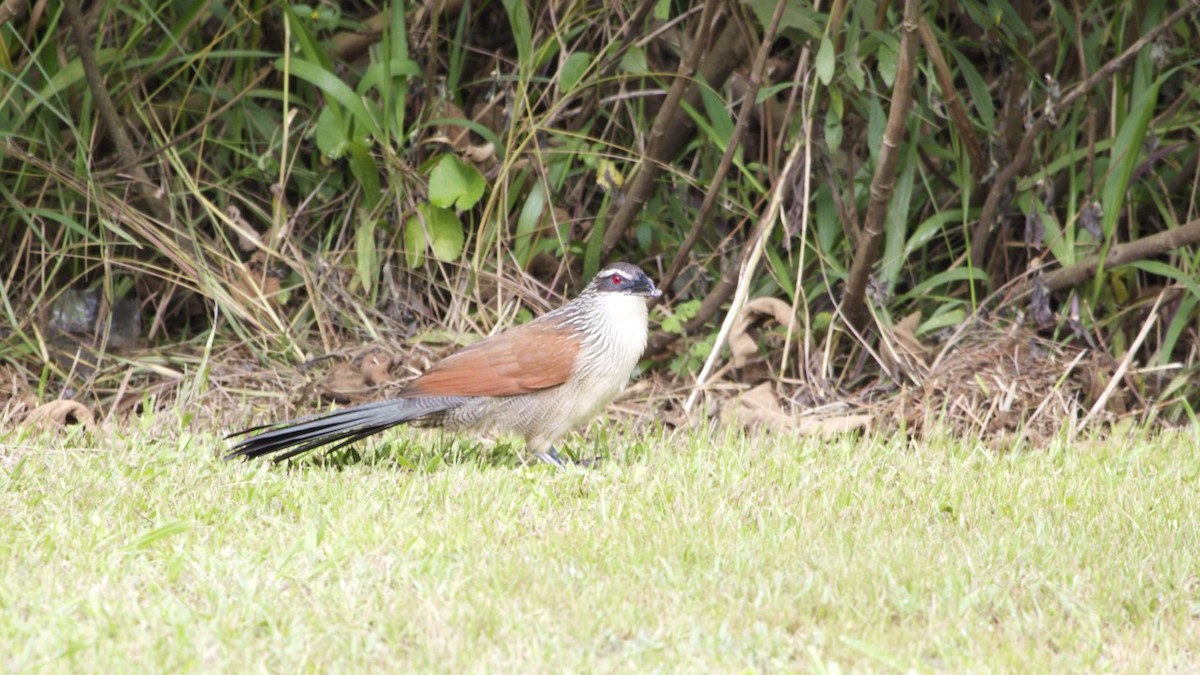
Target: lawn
[{"x": 694, "y": 552}]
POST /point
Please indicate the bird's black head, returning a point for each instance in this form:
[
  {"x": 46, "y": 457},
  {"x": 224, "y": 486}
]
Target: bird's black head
[{"x": 624, "y": 278}]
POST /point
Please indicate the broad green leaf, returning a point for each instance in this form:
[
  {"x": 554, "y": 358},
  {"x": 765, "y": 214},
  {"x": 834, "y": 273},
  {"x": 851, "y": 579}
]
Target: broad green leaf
[
  {"x": 633, "y": 61},
  {"x": 851, "y": 58},
  {"x": 981, "y": 97},
  {"x": 1125, "y": 153},
  {"x": 939, "y": 321},
  {"x": 829, "y": 228},
  {"x": 445, "y": 233},
  {"x": 363, "y": 168},
  {"x": 522, "y": 32},
  {"x": 67, "y": 76},
  {"x": 330, "y": 133},
  {"x": 889, "y": 55},
  {"x": 833, "y": 130},
  {"x": 895, "y": 222},
  {"x": 414, "y": 241},
  {"x": 931, "y": 227},
  {"x": 334, "y": 88},
  {"x": 367, "y": 258},
  {"x": 455, "y": 183},
  {"x": 310, "y": 48},
  {"x": 1165, "y": 270},
  {"x": 876, "y": 123},
  {"x": 528, "y": 220},
  {"x": 572, "y": 70},
  {"x": 797, "y": 16},
  {"x": 718, "y": 115},
  {"x": 375, "y": 74},
  {"x": 953, "y": 275},
  {"x": 825, "y": 61},
  {"x": 1183, "y": 319}
]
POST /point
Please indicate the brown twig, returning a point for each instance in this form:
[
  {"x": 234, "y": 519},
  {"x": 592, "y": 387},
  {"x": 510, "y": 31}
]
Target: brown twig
[
  {"x": 108, "y": 113},
  {"x": 1121, "y": 254},
  {"x": 10, "y": 9},
  {"x": 709, "y": 306},
  {"x": 853, "y": 305},
  {"x": 672, "y": 126},
  {"x": 981, "y": 235},
  {"x": 954, "y": 104},
  {"x": 749, "y": 102}
]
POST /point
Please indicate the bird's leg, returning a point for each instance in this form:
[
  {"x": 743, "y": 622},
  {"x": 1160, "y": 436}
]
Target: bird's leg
[{"x": 551, "y": 457}]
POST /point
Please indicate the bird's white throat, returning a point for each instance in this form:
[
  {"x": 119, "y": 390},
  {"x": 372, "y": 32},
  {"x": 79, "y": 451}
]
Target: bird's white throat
[{"x": 619, "y": 323}]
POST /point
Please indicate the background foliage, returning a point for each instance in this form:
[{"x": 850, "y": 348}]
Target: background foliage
[{"x": 194, "y": 187}]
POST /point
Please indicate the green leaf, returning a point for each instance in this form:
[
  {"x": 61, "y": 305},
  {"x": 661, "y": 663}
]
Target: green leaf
[
  {"x": 455, "y": 183},
  {"x": 933, "y": 226},
  {"x": 414, "y": 241},
  {"x": 954, "y": 275},
  {"x": 633, "y": 61},
  {"x": 895, "y": 221},
  {"x": 522, "y": 31},
  {"x": 1125, "y": 154},
  {"x": 375, "y": 74},
  {"x": 797, "y": 16},
  {"x": 876, "y": 124},
  {"x": 718, "y": 116},
  {"x": 310, "y": 48},
  {"x": 331, "y": 134},
  {"x": 335, "y": 90},
  {"x": 889, "y": 56},
  {"x": 147, "y": 539},
  {"x": 364, "y": 245},
  {"x": 825, "y": 61},
  {"x": 1165, "y": 270},
  {"x": 953, "y": 317},
  {"x": 833, "y": 130},
  {"x": 65, "y": 77},
  {"x": 527, "y": 221},
  {"x": 1183, "y": 319},
  {"x": 363, "y": 168},
  {"x": 981, "y": 97},
  {"x": 435, "y": 228},
  {"x": 572, "y": 71},
  {"x": 445, "y": 232}
]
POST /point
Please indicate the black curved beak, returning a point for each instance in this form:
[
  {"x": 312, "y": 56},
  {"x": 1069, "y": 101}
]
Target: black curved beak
[{"x": 645, "y": 287}]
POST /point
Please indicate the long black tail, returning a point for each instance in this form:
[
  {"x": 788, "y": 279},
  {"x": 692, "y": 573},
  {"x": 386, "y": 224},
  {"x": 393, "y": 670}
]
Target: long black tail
[{"x": 348, "y": 425}]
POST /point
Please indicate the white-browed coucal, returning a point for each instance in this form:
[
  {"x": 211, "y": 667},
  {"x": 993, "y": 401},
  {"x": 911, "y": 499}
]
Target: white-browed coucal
[{"x": 538, "y": 380}]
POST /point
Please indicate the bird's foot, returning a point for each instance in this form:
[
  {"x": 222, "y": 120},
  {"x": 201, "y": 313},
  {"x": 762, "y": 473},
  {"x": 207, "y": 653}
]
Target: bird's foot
[{"x": 558, "y": 460}]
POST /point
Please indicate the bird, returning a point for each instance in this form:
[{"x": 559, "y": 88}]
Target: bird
[{"x": 539, "y": 380}]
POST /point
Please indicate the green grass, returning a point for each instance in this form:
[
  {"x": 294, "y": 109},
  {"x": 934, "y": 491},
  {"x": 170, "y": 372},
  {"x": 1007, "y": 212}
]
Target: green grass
[{"x": 696, "y": 553}]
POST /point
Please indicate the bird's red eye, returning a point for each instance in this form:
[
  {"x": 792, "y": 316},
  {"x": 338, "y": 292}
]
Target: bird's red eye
[{"x": 616, "y": 279}]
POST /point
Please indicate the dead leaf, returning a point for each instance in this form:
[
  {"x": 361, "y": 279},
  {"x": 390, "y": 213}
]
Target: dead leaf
[
  {"x": 248, "y": 238},
  {"x": 759, "y": 408},
  {"x": 15, "y": 390},
  {"x": 345, "y": 383},
  {"x": 61, "y": 413},
  {"x": 376, "y": 366},
  {"x": 827, "y": 427},
  {"x": 742, "y": 346},
  {"x": 480, "y": 154}
]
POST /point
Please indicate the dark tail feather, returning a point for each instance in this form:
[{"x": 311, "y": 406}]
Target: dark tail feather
[{"x": 347, "y": 425}]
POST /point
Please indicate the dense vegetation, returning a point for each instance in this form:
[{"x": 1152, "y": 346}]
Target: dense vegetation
[{"x": 889, "y": 183}]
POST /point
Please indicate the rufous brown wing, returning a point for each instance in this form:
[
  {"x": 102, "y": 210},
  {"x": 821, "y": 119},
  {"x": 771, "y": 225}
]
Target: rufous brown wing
[{"x": 537, "y": 355}]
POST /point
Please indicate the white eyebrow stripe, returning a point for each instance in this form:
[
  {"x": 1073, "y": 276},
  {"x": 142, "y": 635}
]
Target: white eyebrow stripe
[{"x": 613, "y": 270}]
